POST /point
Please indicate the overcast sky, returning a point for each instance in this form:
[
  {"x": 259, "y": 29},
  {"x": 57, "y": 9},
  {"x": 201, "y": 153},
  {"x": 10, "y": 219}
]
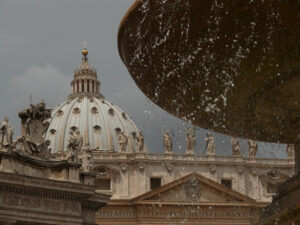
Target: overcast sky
[{"x": 40, "y": 46}]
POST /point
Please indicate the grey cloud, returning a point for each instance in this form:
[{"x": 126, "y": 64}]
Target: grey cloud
[{"x": 41, "y": 82}]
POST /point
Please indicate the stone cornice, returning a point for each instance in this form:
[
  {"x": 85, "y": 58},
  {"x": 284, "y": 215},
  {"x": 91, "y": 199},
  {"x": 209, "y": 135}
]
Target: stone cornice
[
  {"x": 95, "y": 202},
  {"x": 119, "y": 202},
  {"x": 217, "y": 204},
  {"x": 44, "y": 187},
  {"x": 124, "y": 203},
  {"x": 92, "y": 205},
  {"x": 82, "y": 94},
  {"x": 39, "y": 162},
  {"x": 100, "y": 157},
  {"x": 39, "y": 192}
]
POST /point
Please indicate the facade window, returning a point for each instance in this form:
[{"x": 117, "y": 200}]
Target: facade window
[
  {"x": 227, "y": 183},
  {"x": 155, "y": 182},
  {"x": 103, "y": 184}
]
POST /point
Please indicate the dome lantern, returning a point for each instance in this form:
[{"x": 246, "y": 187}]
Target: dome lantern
[{"x": 85, "y": 82}]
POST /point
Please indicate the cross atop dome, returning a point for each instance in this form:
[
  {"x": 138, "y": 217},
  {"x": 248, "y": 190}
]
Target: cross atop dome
[{"x": 84, "y": 44}]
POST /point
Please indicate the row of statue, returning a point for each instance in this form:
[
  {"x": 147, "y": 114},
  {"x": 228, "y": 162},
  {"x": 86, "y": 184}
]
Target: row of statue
[
  {"x": 35, "y": 124},
  {"x": 75, "y": 146},
  {"x": 123, "y": 140},
  {"x": 210, "y": 148}
]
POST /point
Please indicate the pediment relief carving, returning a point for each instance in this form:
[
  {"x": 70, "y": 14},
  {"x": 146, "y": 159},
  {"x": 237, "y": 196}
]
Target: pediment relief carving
[
  {"x": 193, "y": 188},
  {"x": 193, "y": 191}
]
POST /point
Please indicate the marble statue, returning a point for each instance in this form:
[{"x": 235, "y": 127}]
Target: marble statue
[
  {"x": 235, "y": 144},
  {"x": 45, "y": 151},
  {"x": 190, "y": 142},
  {"x": 210, "y": 145},
  {"x": 6, "y": 134},
  {"x": 34, "y": 122},
  {"x": 87, "y": 160},
  {"x": 75, "y": 142},
  {"x": 79, "y": 140},
  {"x": 290, "y": 150},
  {"x": 34, "y": 125},
  {"x": 139, "y": 138},
  {"x": 122, "y": 140},
  {"x": 252, "y": 148},
  {"x": 167, "y": 142},
  {"x": 71, "y": 148},
  {"x": 23, "y": 146}
]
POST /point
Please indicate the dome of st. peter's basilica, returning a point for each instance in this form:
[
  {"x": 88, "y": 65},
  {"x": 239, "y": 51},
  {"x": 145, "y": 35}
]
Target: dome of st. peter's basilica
[{"x": 99, "y": 122}]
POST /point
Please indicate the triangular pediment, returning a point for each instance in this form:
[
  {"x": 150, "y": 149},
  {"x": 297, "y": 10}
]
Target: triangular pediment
[{"x": 193, "y": 188}]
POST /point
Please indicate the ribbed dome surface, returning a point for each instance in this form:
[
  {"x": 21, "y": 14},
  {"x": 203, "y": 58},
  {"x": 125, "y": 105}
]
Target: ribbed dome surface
[{"x": 95, "y": 118}]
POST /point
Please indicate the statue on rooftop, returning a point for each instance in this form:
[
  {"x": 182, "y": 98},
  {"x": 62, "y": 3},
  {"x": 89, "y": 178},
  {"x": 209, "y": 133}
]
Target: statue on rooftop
[
  {"x": 34, "y": 125},
  {"x": 87, "y": 160},
  {"x": 34, "y": 122},
  {"x": 252, "y": 148},
  {"x": 79, "y": 140},
  {"x": 75, "y": 142},
  {"x": 23, "y": 146},
  {"x": 45, "y": 151},
  {"x": 190, "y": 142},
  {"x": 6, "y": 135},
  {"x": 236, "y": 150},
  {"x": 139, "y": 138},
  {"x": 122, "y": 140},
  {"x": 71, "y": 148},
  {"x": 167, "y": 142},
  {"x": 210, "y": 145}
]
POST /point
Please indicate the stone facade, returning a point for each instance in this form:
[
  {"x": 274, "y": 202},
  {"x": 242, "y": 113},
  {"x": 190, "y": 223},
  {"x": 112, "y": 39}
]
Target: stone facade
[
  {"x": 130, "y": 177},
  {"x": 192, "y": 199},
  {"x": 249, "y": 176},
  {"x": 35, "y": 191}
]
